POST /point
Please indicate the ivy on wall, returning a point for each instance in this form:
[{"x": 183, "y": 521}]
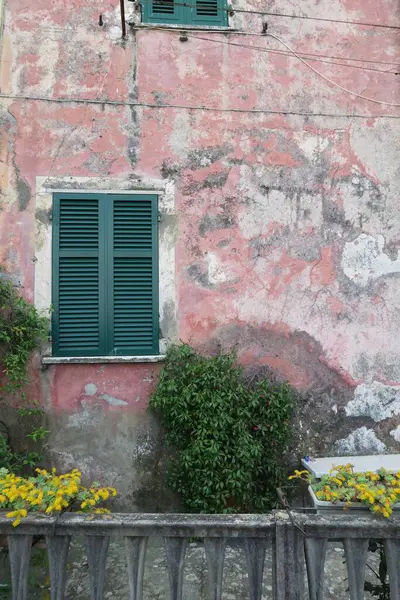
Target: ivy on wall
[{"x": 21, "y": 330}]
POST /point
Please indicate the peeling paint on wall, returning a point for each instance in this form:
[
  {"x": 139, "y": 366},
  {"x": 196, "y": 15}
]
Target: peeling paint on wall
[
  {"x": 361, "y": 441},
  {"x": 395, "y": 433},
  {"x": 279, "y": 233},
  {"x": 375, "y": 400},
  {"x": 364, "y": 259}
]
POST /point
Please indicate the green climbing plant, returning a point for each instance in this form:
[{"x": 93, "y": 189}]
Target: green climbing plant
[
  {"x": 21, "y": 330},
  {"x": 230, "y": 434}
]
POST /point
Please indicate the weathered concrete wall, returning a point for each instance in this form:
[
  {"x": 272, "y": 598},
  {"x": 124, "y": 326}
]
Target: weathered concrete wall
[{"x": 288, "y": 229}]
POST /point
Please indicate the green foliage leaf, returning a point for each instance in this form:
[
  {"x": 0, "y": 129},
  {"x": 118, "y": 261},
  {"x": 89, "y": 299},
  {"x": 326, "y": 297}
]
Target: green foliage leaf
[
  {"x": 21, "y": 329},
  {"x": 230, "y": 436}
]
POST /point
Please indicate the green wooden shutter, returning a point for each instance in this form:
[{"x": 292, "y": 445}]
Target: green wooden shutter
[
  {"x": 76, "y": 277},
  {"x": 198, "y": 12},
  {"x": 134, "y": 316},
  {"x": 209, "y": 12},
  {"x": 105, "y": 275},
  {"x": 162, "y": 11}
]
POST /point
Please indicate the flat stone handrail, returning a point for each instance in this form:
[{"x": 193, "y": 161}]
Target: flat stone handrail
[{"x": 298, "y": 544}]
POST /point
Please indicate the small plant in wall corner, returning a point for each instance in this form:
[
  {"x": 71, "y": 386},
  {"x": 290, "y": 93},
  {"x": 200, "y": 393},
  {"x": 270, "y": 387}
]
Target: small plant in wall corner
[{"x": 230, "y": 435}]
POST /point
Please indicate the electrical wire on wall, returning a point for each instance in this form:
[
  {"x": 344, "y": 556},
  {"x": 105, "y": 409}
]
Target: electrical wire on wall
[
  {"x": 267, "y": 111},
  {"x": 299, "y": 57},
  {"x": 292, "y": 54},
  {"x": 237, "y": 32},
  {"x": 303, "y": 57}
]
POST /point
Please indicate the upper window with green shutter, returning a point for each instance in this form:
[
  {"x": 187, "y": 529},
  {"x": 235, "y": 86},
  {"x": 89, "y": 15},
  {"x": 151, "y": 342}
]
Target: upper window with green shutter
[
  {"x": 105, "y": 275},
  {"x": 192, "y": 12}
]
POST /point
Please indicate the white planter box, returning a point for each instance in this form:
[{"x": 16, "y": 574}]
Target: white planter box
[
  {"x": 321, "y": 466},
  {"x": 325, "y": 507}
]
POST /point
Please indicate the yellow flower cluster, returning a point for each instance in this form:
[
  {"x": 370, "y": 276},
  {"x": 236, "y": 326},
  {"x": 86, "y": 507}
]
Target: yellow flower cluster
[
  {"x": 300, "y": 475},
  {"x": 378, "y": 490},
  {"x": 48, "y": 492}
]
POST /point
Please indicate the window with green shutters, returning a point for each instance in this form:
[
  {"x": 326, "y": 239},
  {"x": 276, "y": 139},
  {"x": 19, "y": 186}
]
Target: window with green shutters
[
  {"x": 105, "y": 275},
  {"x": 193, "y": 12}
]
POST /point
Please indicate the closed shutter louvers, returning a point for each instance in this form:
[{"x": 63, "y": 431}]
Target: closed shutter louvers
[
  {"x": 133, "y": 300},
  {"x": 105, "y": 276},
  {"x": 165, "y": 7},
  {"x": 162, "y": 11},
  {"x": 77, "y": 306},
  {"x": 207, "y": 8}
]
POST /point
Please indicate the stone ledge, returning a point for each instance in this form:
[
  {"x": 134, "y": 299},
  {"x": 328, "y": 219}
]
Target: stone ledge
[
  {"x": 84, "y": 360},
  {"x": 167, "y": 26}
]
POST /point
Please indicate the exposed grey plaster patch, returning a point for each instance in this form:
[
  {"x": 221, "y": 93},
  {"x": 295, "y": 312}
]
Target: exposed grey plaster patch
[
  {"x": 146, "y": 445},
  {"x": 215, "y": 180},
  {"x": 382, "y": 365},
  {"x": 99, "y": 163},
  {"x": 112, "y": 400},
  {"x": 199, "y": 276},
  {"x": 395, "y": 433},
  {"x": 374, "y": 400},
  {"x": 44, "y": 216},
  {"x": 333, "y": 214},
  {"x": 23, "y": 190},
  {"x": 168, "y": 320},
  {"x": 364, "y": 259},
  {"x": 303, "y": 246},
  {"x": 224, "y": 243},
  {"x": 204, "y": 157},
  {"x": 211, "y": 223},
  {"x": 170, "y": 170},
  {"x": 133, "y": 140},
  {"x": 212, "y": 274},
  {"x": 90, "y": 389},
  {"x": 359, "y": 442}
]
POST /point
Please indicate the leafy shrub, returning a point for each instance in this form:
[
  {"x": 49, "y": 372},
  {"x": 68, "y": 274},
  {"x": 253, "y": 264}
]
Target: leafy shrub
[{"x": 230, "y": 436}]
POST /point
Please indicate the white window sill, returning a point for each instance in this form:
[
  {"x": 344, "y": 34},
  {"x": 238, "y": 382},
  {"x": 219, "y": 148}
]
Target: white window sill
[
  {"x": 209, "y": 28},
  {"x": 85, "y": 360}
]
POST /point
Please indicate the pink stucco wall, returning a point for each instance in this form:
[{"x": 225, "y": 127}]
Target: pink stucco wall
[{"x": 288, "y": 225}]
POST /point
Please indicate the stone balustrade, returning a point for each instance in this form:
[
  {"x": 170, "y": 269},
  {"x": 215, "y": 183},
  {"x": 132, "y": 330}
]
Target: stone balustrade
[{"x": 296, "y": 542}]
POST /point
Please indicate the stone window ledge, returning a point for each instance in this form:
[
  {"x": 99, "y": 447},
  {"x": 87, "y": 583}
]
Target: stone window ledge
[
  {"x": 205, "y": 28},
  {"x": 85, "y": 360}
]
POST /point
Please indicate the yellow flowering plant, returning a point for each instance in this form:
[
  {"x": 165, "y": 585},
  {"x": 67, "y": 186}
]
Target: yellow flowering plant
[
  {"x": 378, "y": 490},
  {"x": 50, "y": 493}
]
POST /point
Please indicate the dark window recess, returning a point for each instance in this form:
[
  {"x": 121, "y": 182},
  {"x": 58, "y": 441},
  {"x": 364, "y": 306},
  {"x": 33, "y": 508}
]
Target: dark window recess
[
  {"x": 196, "y": 12},
  {"x": 105, "y": 275}
]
